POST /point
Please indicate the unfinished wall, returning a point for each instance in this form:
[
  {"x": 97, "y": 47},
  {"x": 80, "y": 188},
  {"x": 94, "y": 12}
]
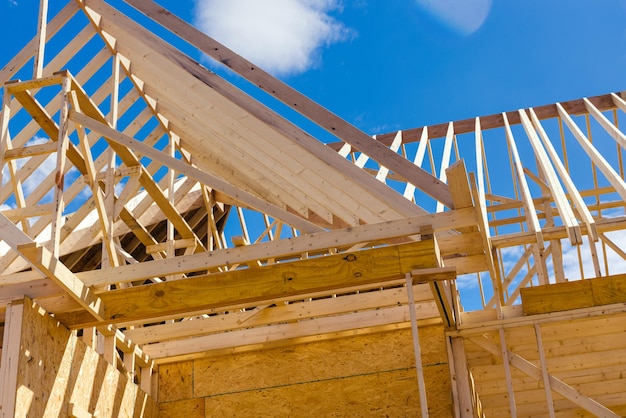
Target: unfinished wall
[
  {"x": 56, "y": 369},
  {"x": 370, "y": 375}
]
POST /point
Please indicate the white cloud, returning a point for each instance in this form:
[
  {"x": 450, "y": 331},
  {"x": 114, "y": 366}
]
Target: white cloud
[
  {"x": 463, "y": 16},
  {"x": 281, "y": 36},
  {"x": 616, "y": 264}
]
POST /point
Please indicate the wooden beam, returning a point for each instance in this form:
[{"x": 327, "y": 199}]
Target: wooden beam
[
  {"x": 556, "y": 190},
  {"x": 461, "y": 386},
  {"x": 573, "y": 192},
  {"x": 529, "y": 206},
  {"x": 555, "y": 232},
  {"x": 42, "y": 260},
  {"x": 608, "y": 126},
  {"x": 281, "y": 312},
  {"x": 419, "y": 368},
  {"x": 11, "y": 343},
  {"x": 119, "y": 138},
  {"x": 377, "y": 320},
  {"x": 595, "y": 156},
  {"x": 574, "y": 107},
  {"x": 263, "y": 285},
  {"x": 16, "y": 64},
  {"x": 283, "y": 248},
  {"x": 395, "y": 145},
  {"x": 445, "y": 160},
  {"x": 409, "y": 189},
  {"x": 299, "y": 102},
  {"x": 504, "y": 353},
  {"x": 42, "y": 25}
]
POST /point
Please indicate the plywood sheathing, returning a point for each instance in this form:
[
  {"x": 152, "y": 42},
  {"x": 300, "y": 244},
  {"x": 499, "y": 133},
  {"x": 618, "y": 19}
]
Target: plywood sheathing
[
  {"x": 369, "y": 375},
  {"x": 57, "y": 369},
  {"x": 586, "y": 354}
]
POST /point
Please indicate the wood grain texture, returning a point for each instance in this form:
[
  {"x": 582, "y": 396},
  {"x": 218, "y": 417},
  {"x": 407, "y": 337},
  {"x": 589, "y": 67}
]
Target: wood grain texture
[
  {"x": 56, "y": 368},
  {"x": 370, "y": 375},
  {"x": 574, "y": 295},
  {"x": 264, "y": 284}
]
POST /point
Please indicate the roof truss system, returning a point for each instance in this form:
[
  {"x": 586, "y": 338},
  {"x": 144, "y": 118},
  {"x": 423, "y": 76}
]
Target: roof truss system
[{"x": 146, "y": 197}]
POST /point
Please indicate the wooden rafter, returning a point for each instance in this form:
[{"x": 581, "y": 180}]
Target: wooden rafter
[{"x": 303, "y": 104}]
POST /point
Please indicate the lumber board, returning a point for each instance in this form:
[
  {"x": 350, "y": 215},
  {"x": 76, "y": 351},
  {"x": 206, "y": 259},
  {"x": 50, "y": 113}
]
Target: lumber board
[
  {"x": 285, "y": 333},
  {"x": 15, "y": 64},
  {"x": 598, "y": 159},
  {"x": 574, "y": 295},
  {"x": 119, "y": 138},
  {"x": 282, "y": 248},
  {"x": 556, "y": 232},
  {"x": 42, "y": 260},
  {"x": 295, "y": 311},
  {"x": 265, "y": 284},
  {"x": 575, "y": 107},
  {"x": 336, "y": 171},
  {"x": 9, "y": 373},
  {"x": 299, "y": 102}
]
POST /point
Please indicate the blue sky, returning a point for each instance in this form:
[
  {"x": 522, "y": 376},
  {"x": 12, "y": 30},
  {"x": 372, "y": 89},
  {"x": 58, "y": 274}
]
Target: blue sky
[{"x": 396, "y": 64}]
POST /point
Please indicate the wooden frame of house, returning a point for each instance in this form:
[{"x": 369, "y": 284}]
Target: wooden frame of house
[{"x": 125, "y": 290}]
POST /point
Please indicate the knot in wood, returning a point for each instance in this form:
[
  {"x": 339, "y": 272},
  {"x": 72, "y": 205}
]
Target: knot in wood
[{"x": 350, "y": 258}]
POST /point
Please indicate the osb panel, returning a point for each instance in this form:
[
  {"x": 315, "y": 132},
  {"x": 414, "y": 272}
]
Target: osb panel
[
  {"x": 176, "y": 381},
  {"x": 187, "y": 408},
  {"x": 55, "y": 369},
  {"x": 585, "y": 353},
  {"x": 392, "y": 394},
  {"x": 316, "y": 361}
]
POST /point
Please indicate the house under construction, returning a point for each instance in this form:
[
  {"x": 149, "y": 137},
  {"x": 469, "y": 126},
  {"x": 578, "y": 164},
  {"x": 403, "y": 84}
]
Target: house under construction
[{"x": 171, "y": 246}]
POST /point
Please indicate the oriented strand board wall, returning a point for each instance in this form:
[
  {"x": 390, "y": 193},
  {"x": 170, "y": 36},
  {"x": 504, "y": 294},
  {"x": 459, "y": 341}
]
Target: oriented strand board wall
[
  {"x": 56, "y": 368},
  {"x": 371, "y": 375}
]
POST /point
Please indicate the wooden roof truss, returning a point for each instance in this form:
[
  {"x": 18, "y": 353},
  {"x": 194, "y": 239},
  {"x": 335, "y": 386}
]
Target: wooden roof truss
[{"x": 145, "y": 197}]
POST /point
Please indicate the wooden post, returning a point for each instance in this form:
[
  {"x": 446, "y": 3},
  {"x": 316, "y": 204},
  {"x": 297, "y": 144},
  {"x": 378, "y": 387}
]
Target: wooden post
[
  {"x": 41, "y": 37},
  {"x": 10, "y": 357},
  {"x": 461, "y": 388},
  {"x": 416, "y": 347},
  {"x": 445, "y": 160},
  {"x": 507, "y": 372},
  {"x": 62, "y": 146}
]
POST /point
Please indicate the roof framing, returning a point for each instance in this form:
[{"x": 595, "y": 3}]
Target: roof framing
[{"x": 146, "y": 196}]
